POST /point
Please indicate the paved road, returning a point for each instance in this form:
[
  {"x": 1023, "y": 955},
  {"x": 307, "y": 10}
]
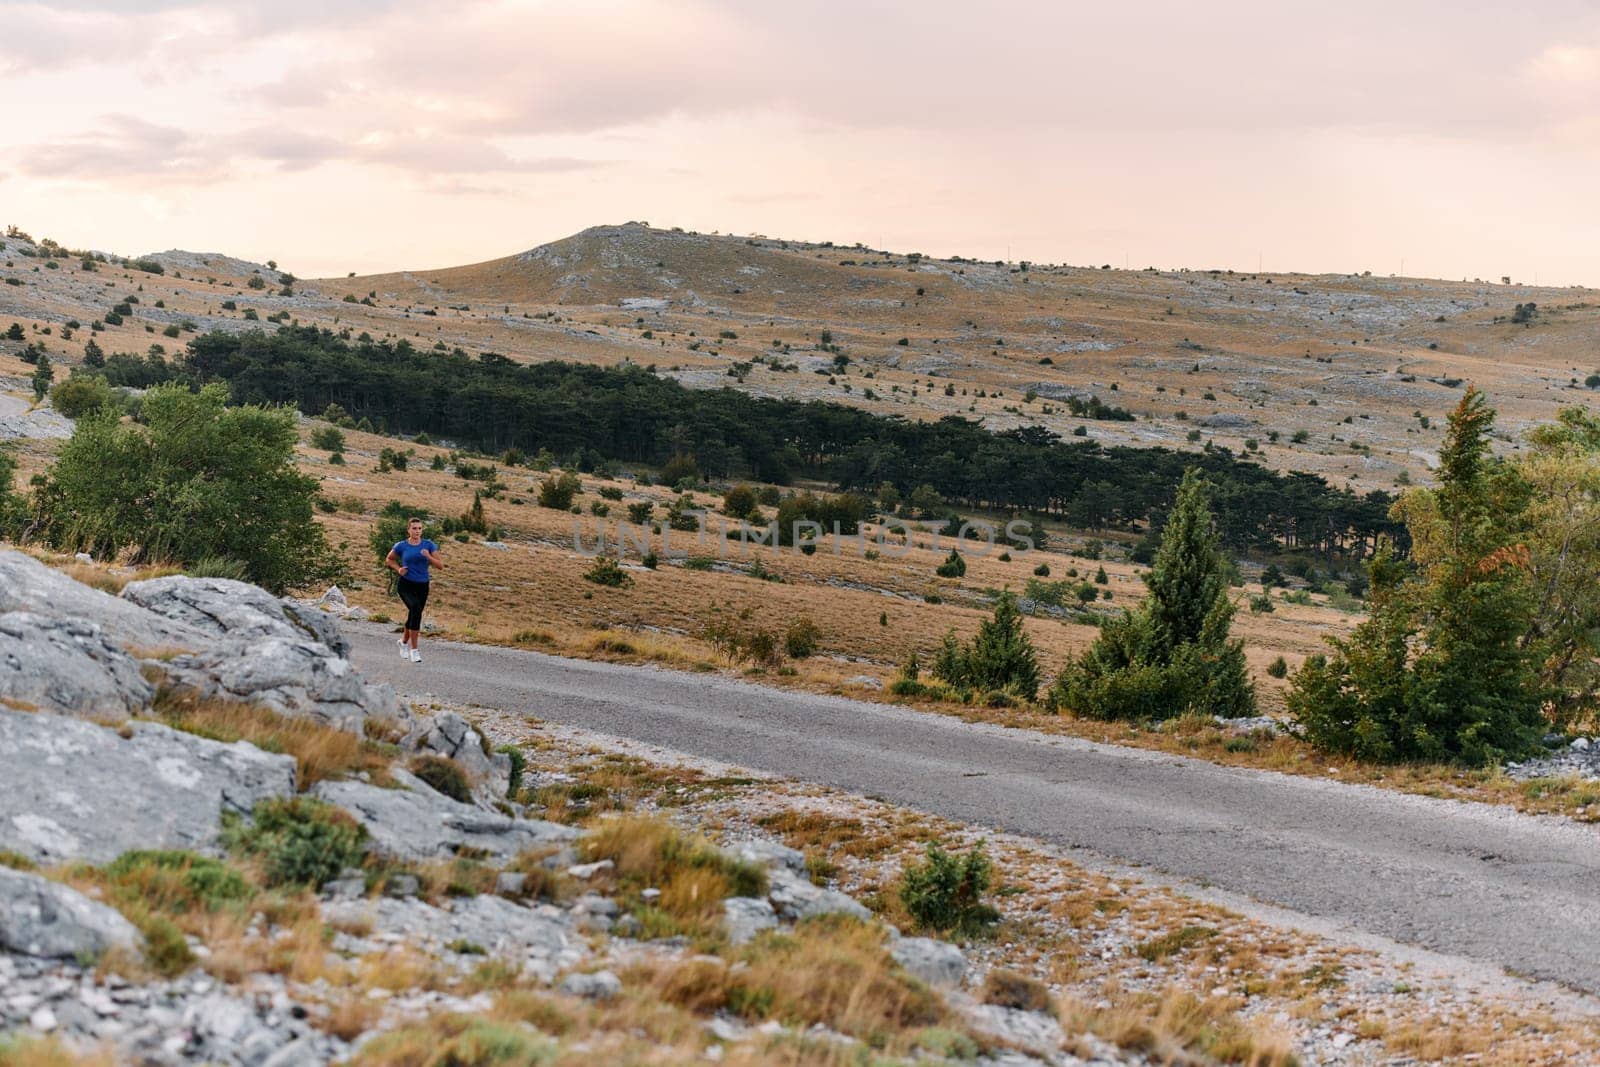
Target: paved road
[{"x": 1470, "y": 880}]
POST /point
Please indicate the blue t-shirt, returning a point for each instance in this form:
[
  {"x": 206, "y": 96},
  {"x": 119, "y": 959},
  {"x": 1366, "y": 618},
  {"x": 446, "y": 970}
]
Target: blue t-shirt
[{"x": 412, "y": 559}]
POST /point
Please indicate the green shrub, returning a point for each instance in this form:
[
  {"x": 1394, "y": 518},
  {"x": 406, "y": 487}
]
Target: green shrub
[
  {"x": 300, "y": 841},
  {"x": 218, "y": 567},
  {"x": 328, "y": 438},
  {"x": 1278, "y": 668},
  {"x": 1042, "y": 570},
  {"x": 194, "y": 478},
  {"x": 801, "y": 638},
  {"x": 179, "y": 881},
  {"x": 1173, "y": 654},
  {"x": 557, "y": 490},
  {"x": 444, "y": 776},
  {"x": 82, "y": 393},
  {"x": 945, "y": 893},
  {"x": 739, "y": 501},
  {"x": 606, "y": 571},
  {"x": 999, "y": 658},
  {"x": 953, "y": 566}
]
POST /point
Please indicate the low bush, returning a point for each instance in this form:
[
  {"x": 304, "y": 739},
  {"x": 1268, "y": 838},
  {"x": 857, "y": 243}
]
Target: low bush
[
  {"x": 945, "y": 893},
  {"x": 300, "y": 841},
  {"x": 802, "y": 637},
  {"x": 606, "y": 571}
]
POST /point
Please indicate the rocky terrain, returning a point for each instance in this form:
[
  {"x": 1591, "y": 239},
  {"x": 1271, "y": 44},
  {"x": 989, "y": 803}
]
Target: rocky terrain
[{"x": 122, "y": 726}]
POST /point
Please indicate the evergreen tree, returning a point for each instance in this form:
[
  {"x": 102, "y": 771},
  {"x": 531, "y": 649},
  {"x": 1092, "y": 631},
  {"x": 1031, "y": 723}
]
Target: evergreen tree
[
  {"x": 1172, "y": 654},
  {"x": 1000, "y": 658},
  {"x": 1442, "y": 669},
  {"x": 43, "y": 375},
  {"x": 93, "y": 354}
]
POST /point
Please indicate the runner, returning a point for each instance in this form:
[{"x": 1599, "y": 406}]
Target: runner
[{"x": 410, "y": 559}]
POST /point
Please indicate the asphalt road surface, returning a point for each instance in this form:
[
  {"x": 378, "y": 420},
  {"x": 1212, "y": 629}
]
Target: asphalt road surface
[{"x": 1469, "y": 880}]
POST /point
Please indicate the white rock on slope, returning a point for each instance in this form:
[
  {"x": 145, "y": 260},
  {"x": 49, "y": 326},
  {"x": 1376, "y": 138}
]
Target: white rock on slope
[
  {"x": 67, "y": 666},
  {"x": 46, "y": 919}
]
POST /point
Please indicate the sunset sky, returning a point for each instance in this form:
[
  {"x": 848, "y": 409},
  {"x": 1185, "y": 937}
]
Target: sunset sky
[{"x": 1450, "y": 139}]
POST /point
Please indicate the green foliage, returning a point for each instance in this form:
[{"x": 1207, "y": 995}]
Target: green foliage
[
  {"x": 945, "y": 893},
  {"x": 12, "y": 507},
  {"x": 1442, "y": 668},
  {"x": 328, "y": 438},
  {"x": 1278, "y": 668},
  {"x": 300, "y": 841},
  {"x": 43, "y": 375},
  {"x": 218, "y": 567},
  {"x": 632, "y": 415},
  {"x": 1000, "y": 657},
  {"x": 558, "y": 490},
  {"x": 444, "y": 776},
  {"x": 801, "y": 638},
  {"x": 739, "y": 502},
  {"x": 1172, "y": 655},
  {"x": 952, "y": 567},
  {"x": 842, "y": 513},
  {"x": 181, "y": 881},
  {"x": 606, "y": 571},
  {"x": 196, "y": 479},
  {"x": 82, "y": 393}
]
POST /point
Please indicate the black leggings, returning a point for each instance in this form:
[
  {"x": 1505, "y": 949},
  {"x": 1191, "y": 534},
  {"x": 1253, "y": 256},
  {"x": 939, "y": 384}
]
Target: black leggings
[{"x": 414, "y": 595}]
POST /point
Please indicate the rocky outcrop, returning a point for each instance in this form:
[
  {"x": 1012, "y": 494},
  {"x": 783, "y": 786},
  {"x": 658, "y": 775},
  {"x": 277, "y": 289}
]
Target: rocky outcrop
[
  {"x": 75, "y": 790},
  {"x": 28, "y": 585},
  {"x": 414, "y": 822},
  {"x": 47, "y": 920},
  {"x": 67, "y": 666},
  {"x": 291, "y": 676},
  {"x": 745, "y": 917},
  {"x": 68, "y": 648},
  {"x": 222, "y": 607},
  {"x": 448, "y": 734}
]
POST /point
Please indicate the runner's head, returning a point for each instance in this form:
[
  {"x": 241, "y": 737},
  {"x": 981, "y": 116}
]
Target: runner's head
[{"x": 414, "y": 528}]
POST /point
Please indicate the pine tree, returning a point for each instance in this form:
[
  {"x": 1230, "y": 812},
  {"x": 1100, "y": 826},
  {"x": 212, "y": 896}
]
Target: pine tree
[
  {"x": 43, "y": 375},
  {"x": 1173, "y": 654},
  {"x": 93, "y": 354},
  {"x": 1441, "y": 669},
  {"x": 1000, "y": 657}
]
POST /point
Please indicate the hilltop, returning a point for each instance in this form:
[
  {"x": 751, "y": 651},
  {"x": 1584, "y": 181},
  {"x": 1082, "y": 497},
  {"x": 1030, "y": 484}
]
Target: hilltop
[{"x": 1359, "y": 368}]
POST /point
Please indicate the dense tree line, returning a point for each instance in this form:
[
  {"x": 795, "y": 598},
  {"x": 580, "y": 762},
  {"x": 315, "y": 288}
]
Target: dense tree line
[{"x": 633, "y": 415}]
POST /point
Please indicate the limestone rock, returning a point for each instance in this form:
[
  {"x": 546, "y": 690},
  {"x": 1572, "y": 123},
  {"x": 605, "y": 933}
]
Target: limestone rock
[
  {"x": 77, "y": 790},
  {"x": 223, "y": 607},
  {"x": 745, "y": 917},
  {"x": 768, "y": 853},
  {"x": 292, "y": 676},
  {"x": 938, "y": 963},
  {"x": 448, "y": 734},
  {"x": 42, "y": 918},
  {"x": 28, "y": 585},
  {"x": 416, "y": 823},
  {"x": 601, "y": 985},
  {"x": 67, "y": 666},
  {"x": 796, "y": 898}
]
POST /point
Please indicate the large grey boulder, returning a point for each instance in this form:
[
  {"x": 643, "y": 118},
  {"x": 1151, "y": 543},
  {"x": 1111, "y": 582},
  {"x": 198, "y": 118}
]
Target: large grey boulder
[
  {"x": 238, "y": 610},
  {"x": 414, "y": 822},
  {"x": 28, "y": 585},
  {"x": 48, "y": 920},
  {"x": 296, "y": 677},
  {"x": 67, "y": 666},
  {"x": 75, "y": 790},
  {"x": 938, "y": 963},
  {"x": 543, "y": 940}
]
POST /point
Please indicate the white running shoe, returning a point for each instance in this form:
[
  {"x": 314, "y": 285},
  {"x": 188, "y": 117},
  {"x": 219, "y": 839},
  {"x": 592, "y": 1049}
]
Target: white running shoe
[
  {"x": 405, "y": 649},
  {"x": 416, "y": 656}
]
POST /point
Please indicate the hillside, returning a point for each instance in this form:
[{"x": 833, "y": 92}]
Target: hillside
[{"x": 1360, "y": 368}]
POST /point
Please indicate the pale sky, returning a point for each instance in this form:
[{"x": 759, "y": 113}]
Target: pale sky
[{"x": 1448, "y": 139}]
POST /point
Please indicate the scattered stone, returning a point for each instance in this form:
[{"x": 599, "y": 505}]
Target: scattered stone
[
  {"x": 796, "y": 898},
  {"x": 938, "y": 963},
  {"x": 586, "y": 871},
  {"x": 601, "y": 985},
  {"x": 745, "y": 917},
  {"x": 510, "y": 883},
  {"x": 413, "y": 822},
  {"x": 49, "y": 920},
  {"x": 69, "y": 667},
  {"x": 402, "y": 886},
  {"x": 75, "y": 790},
  {"x": 768, "y": 853}
]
